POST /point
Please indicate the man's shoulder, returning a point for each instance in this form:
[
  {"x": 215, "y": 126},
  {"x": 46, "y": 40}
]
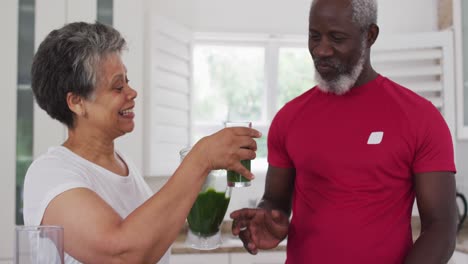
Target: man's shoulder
[
  {"x": 406, "y": 101},
  {"x": 300, "y": 100},
  {"x": 406, "y": 93},
  {"x": 389, "y": 83}
]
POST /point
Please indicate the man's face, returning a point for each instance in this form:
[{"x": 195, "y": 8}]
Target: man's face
[{"x": 336, "y": 44}]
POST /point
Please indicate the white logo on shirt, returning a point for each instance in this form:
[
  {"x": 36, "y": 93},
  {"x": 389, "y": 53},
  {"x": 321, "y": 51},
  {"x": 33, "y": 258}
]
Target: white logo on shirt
[{"x": 375, "y": 138}]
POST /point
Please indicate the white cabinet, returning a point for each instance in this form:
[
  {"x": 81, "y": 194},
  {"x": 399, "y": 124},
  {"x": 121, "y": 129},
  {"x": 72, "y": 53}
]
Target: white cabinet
[
  {"x": 459, "y": 258},
  {"x": 274, "y": 257},
  {"x": 221, "y": 258}
]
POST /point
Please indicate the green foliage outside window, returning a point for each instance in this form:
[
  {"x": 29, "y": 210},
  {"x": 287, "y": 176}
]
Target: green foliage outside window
[
  {"x": 229, "y": 84},
  {"x": 296, "y": 74}
]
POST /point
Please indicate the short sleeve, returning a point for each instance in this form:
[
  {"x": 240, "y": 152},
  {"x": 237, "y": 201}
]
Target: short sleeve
[
  {"x": 434, "y": 150},
  {"x": 277, "y": 150},
  {"x": 45, "y": 179}
]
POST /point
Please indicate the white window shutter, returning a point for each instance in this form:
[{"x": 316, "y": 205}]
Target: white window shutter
[
  {"x": 424, "y": 63},
  {"x": 167, "y": 96}
]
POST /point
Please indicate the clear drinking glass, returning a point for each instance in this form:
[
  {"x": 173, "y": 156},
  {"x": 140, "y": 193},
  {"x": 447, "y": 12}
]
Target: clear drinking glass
[
  {"x": 39, "y": 245},
  {"x": 207, "y": 213},
  {"x": 235, "y": 179}
]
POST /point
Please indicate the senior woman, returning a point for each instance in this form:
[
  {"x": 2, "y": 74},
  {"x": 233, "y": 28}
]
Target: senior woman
[{"x": 86, "y": 185}]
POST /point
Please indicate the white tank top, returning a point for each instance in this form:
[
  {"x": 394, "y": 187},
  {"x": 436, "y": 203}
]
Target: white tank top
[{"x": 60, "y": 170}]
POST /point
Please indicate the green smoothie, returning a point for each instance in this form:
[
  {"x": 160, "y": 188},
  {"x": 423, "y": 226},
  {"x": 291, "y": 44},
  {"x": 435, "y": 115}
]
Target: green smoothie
[
  {"x": 233, "y": 177},
  {"x": 208, "y": 212}
]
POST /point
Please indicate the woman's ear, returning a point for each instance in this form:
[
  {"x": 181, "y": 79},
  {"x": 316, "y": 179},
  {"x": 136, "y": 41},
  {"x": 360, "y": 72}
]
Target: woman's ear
[{"x": 76, "y": 104}]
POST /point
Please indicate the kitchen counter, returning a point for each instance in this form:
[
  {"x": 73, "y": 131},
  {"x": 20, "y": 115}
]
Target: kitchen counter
[
  {"x": 232, "y": 244},
  {"x": 462, "y": 237}
]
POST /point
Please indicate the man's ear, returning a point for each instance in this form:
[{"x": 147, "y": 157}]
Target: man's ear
[
  {"x": 76, "y": 104},
  {"x": 372, "y": 34}
]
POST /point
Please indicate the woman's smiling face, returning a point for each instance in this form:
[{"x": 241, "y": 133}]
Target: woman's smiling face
[{"x": 110, "y": 108}]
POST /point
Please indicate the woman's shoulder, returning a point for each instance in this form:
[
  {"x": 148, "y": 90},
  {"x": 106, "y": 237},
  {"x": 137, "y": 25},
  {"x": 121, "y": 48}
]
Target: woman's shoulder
[
  {"x": 56, "y": 156},
  {"x": 55, "y": 163}
]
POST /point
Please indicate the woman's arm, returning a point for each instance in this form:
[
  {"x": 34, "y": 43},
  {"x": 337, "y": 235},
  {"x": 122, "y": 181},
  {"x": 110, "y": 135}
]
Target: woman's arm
[{"x": 95, "y": 233}]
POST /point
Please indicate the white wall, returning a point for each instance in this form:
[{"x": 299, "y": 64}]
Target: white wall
[
  {"x": 8, "y": 66},
  {"x": 182, "y": 11},
  {"x": 402, "y": 16},
  {"x": 289, "y": 17},
  {"x": 129, "y": 20},
  {"x": 264, "y": 16}
]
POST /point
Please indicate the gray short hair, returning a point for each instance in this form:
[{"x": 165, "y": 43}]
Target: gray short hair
[
  {"x": 364, "y": 12},
  {"x": 68, "y": 60}
]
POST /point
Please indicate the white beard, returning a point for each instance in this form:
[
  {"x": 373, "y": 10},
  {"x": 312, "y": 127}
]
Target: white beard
[{"x": 344, "y": 82}]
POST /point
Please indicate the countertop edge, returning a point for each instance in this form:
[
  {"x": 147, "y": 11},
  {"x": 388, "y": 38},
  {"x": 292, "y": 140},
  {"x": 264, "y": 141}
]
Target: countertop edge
[{"x": 232, "y": 244}]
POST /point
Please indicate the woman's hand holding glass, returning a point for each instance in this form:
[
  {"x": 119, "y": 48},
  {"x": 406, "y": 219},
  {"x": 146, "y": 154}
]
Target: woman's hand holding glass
[{"x": 226, "y": 148}]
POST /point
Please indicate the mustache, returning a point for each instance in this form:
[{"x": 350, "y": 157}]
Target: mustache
[{"x": 329, "y": 62}]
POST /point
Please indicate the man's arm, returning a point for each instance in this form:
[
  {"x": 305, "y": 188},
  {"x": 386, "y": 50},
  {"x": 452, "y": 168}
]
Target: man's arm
[
  {"x": 279, "y": 186},
  {"x": 266, "y": 226},
  {"x": 435, "y": 196}
]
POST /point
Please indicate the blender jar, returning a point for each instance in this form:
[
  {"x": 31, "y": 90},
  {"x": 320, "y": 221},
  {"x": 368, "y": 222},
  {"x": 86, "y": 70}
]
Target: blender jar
[{"x": 208, "y": 211}]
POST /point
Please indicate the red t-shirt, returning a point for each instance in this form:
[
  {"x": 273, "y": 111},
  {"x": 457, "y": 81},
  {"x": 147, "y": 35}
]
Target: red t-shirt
[{"x": 355, "y": 156}]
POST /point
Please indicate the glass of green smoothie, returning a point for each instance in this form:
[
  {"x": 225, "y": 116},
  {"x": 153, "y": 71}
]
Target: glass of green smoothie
[
  {"x": 235, "y": 179},
  {"x": 207, "y": 213}
]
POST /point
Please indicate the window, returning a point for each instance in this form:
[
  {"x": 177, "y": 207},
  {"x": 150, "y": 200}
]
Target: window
[
  {"x": 105, "y": 9},
  {"x": 24, "y": 124},
  {"x": 295, "y": 74},
  {"x": 228, "y": 85},
  {"x": 246, "y": 79}
]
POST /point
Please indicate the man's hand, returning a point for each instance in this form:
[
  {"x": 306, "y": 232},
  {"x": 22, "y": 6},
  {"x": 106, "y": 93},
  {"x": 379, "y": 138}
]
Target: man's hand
[{"x": 259, "y": 228}]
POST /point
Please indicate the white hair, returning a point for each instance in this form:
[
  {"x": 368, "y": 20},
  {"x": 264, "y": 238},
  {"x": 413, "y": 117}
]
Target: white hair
[{"x": 364, "y": 12}]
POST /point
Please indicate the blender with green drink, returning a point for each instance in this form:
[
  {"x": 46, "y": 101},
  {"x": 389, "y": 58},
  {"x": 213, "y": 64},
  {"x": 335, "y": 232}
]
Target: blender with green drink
[{"x": 207, "y": 213}]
